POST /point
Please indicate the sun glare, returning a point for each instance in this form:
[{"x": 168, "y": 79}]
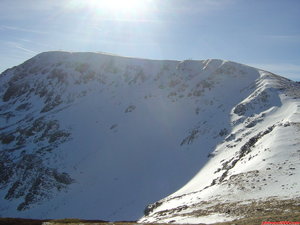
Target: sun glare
[{"x": 119, "y": 6}]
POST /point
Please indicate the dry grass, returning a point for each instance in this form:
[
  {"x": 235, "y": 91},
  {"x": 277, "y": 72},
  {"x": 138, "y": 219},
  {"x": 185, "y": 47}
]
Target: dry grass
[
  {"x": 294, "y": 217},
  {"x": 249, "y": 212},
  {"x": 253, "y": 213}
]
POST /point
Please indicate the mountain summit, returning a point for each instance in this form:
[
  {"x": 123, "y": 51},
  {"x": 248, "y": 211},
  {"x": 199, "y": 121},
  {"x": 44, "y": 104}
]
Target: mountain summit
[{"x": 97, "y": 136}]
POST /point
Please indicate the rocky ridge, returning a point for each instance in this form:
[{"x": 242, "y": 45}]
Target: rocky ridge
[{"x": 84, "y": 127}]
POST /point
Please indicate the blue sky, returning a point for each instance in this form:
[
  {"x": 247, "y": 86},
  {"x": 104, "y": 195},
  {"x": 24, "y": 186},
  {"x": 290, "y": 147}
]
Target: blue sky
[{"x": 261, "y": 33}]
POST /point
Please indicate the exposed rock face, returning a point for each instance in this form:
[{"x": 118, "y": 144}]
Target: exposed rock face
[
  {"x": 252, "y": 171},
  {"x": 115, "y": 134},
  {"x": 32, "y": 181}
]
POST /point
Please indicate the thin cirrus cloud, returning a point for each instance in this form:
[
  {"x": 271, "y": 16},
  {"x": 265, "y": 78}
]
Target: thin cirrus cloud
[
  {"x": 15, "y": 28},
  {"x": 242, "y": 31},
  {"x": 19, "y": 46},
  {"x": 25, "y": 49},
  {"x": 283, "y": 69}
]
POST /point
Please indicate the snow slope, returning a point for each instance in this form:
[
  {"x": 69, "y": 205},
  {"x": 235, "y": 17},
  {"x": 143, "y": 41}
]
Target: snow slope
[
  {"x": 97, "y": 136},
  {"x": 255, "y": 168}
]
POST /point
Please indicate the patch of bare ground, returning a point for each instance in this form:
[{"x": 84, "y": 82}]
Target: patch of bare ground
[
  {"x": 241, "y": 209},
  {"x": 292, "y": 217},
  {"x": 249, "y": 213}
]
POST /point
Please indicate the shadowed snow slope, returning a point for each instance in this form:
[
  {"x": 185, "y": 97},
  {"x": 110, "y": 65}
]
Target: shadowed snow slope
[{"x": 97, "y": 136}]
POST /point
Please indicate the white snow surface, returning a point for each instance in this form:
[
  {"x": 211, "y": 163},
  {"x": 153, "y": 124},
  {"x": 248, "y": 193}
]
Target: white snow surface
[
  {"x": 142, "y": 129},
  {"x": 270, "y": 170}
]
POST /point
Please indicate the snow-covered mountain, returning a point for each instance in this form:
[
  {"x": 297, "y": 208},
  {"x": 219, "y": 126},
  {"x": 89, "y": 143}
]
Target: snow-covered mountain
[{"x": 97, "y": 136}]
